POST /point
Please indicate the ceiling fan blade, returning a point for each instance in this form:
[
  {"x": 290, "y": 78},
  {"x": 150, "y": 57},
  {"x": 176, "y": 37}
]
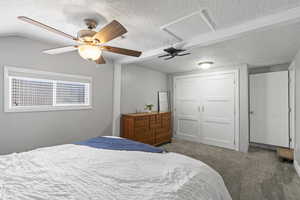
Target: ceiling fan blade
[
  {"x": 111, "y": 31},
  {"x": 170, "y": 58},
  {"x": 122, "y": 51},
  {"x": 184, "y": 54},
  {"x": 100, "y": 60},
  {"x": 164, "y": 55},
  {"x": 46, "y": 27},
  {"x": 60, "y": 50}
]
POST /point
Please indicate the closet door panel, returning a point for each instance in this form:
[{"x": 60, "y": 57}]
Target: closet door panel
[
  {"x": 187, "y": 107},
  {"x": 218, "y": 110}
]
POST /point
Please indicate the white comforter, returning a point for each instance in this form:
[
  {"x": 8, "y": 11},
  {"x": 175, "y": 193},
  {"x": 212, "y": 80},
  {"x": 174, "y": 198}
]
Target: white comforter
[{"x": 73, "y": 172}]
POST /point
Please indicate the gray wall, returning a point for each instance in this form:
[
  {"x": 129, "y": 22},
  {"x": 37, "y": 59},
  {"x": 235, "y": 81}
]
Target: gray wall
[
  {"x": 25, "y": 131},
  {"x": 244, "y": 108},
  {"x": 140, "y": 87},
  {"x": 297, "y": 109}
]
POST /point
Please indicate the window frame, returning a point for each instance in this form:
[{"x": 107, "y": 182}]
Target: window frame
[{"x": 54, "y": 107}]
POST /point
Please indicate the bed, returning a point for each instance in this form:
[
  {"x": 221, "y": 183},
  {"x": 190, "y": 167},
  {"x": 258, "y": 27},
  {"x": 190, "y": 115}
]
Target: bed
[{"x": 83, "y": 171}]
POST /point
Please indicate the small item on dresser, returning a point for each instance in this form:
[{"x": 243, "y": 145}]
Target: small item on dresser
[
  {"x": 148, "y": 107},
  {"x": 150, "y": 128}
]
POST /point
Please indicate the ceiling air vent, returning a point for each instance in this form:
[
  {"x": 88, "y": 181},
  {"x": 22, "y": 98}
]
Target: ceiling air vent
[{"x": 190, "y": 26}]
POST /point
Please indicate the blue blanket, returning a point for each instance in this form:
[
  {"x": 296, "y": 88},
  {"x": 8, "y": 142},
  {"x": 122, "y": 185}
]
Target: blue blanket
[{"x": 119, "y": 144}]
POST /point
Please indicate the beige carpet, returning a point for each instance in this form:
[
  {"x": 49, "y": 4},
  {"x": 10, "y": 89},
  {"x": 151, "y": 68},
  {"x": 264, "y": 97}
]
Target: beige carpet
[{"x": 257, "y": 175}]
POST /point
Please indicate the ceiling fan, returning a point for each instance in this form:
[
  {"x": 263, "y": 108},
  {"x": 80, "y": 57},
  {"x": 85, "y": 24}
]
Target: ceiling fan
[
  {"x": 173, "y": 52},
  {"x": 90, "y": 43}
]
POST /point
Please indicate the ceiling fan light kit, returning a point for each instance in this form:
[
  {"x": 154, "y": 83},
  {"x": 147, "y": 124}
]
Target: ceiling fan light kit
[
  {"x": 89, "y": 52},
  {"x": 91, "y": 43}
]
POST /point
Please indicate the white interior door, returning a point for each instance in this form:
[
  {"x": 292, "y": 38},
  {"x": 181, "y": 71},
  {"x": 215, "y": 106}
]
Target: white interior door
[
  {"x": 292, "y": 104},
  {"x": 269, "y": 113},
  {"x": 205, "y": 108}
]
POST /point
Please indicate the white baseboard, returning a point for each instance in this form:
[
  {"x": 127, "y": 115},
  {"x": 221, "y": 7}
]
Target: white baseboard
[
  {"x": 195, "y": 139},
  {"x": 297, "y": 167}
]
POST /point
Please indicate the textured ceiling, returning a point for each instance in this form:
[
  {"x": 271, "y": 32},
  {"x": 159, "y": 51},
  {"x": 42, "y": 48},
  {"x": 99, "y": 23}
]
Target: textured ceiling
[
  {"x": 142, "y": 18},
  {"x": 261, "y": 48}
]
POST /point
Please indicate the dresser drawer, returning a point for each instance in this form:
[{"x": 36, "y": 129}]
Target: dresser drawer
[
  {"x": 162, "y": 131},
  {"x": 141, "y": 122},
  {"x": 166, "y": 123},
  {"x": 152, "y": 118},
  {"x": 155, "y": 118},
  {"x": 150, "y": 141},
  {"x": 160, "y": 139},
  {"x": 158, "y": 118},
  {"x": 144, "y": 135},
  {"x": 155, "y": 124},
  {"x": 166, "y": 116},
  {"x": 140, "y": 130}
]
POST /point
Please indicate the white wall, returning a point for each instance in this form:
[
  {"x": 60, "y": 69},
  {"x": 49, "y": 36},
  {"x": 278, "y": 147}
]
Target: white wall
[
  {"x": 297, "y": 110},
  {"x": 117, "y": 100},
  {"x": 140, "y": 87},
  {"x": 244, "y": 108},
  {"x": 25, "y": 131}
]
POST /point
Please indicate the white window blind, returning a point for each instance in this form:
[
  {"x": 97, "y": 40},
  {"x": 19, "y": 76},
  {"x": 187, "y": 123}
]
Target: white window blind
[
  {"x": 71, "y": 93},
  {"x": 29, "y": 90}
]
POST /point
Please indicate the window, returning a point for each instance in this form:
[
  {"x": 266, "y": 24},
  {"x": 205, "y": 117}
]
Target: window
[
  {"x": 30, "y": 90},
  {"x": 71, "y": 93}
]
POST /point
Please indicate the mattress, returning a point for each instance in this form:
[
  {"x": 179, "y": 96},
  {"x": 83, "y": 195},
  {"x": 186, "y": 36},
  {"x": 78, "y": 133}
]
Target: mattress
[{"x": 76, "y": 172}]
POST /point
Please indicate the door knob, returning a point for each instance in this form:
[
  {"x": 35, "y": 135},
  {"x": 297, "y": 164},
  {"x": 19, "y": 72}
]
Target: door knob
[{"x": 251, "y": 112}]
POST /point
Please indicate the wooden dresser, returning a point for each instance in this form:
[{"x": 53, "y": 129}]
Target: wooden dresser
[{"x": 151, "y": 128}]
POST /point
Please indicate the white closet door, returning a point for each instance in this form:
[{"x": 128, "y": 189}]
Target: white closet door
[
  {"x": 186, "y": 107},
  {"x": 205, "y": 108},
  {"x": 218, "y": 110},
  {"x": 269, "y": 122}
]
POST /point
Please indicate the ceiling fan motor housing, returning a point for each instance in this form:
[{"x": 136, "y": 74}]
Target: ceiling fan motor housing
[
  {"x": 86, "y": 35},
  {"x": 91, "y": 23}
]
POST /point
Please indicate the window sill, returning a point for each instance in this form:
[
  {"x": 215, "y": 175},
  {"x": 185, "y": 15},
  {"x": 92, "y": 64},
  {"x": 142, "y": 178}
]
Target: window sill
[{"x": 46, "y": 108}]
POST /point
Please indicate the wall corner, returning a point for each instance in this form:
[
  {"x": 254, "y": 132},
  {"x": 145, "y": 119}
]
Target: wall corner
[{"x": 117, "y": 83}]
